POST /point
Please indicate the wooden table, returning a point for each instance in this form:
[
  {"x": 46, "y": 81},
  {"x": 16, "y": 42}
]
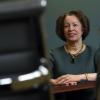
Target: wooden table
[{"x": 81, "y": 85}]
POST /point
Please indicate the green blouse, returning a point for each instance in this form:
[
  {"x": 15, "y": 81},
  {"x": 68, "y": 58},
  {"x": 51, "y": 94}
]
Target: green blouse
[{"x": 61, "y": 63}]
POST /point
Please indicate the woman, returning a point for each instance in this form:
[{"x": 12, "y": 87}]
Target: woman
[{"x": 73, "y": 62}]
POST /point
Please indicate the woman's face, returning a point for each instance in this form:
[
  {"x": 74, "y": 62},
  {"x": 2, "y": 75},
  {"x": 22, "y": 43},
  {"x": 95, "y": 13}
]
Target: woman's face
[{"x": 72, "y": 28}]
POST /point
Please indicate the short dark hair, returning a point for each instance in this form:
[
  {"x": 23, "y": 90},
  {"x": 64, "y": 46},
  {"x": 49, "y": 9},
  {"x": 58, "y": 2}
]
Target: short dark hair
[{"x": 81, "y": 17}]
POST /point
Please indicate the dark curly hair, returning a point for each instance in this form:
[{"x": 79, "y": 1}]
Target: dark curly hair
[{"x": 81, "y": 17}]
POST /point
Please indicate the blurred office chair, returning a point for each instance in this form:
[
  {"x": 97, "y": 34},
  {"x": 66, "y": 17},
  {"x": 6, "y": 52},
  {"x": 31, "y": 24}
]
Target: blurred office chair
[{"x": 23, "y": 67}]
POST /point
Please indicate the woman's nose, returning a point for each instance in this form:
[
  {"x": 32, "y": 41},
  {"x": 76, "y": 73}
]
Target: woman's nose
[{"x": 71, "y": 27}]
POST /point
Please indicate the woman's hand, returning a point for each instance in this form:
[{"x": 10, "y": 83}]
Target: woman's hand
[
  {"x": 56, "y": 82},
  {"x": 68, "y": 79}
]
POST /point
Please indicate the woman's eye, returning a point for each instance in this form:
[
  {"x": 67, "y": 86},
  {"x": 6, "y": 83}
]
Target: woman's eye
[
  {"x": 75, "y": 25},
  {"x": 65, "y": 25}
]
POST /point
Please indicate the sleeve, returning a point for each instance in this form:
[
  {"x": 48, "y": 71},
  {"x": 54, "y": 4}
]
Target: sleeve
[{"x": 52, "y": 63}]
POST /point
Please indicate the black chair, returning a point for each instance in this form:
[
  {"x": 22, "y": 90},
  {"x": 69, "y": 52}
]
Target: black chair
[{"x": 24, "y": 71}]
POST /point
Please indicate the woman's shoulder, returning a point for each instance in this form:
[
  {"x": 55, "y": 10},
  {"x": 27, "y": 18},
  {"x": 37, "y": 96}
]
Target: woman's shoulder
[
  {"x": 90, "y": 48},
  {"x": 57, "y": 49},
  {"x": 98, "y": 52}
]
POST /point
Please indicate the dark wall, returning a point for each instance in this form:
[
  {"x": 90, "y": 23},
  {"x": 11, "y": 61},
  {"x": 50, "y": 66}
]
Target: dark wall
[{"x": 57, "y": 7}]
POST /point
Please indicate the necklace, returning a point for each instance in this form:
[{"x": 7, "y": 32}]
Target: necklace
[{"x": 73, "y": 56}]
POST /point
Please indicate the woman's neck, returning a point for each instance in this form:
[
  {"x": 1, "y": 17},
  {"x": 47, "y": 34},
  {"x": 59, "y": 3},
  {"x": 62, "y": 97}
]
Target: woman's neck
[{"x": 74, "y": 47}]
